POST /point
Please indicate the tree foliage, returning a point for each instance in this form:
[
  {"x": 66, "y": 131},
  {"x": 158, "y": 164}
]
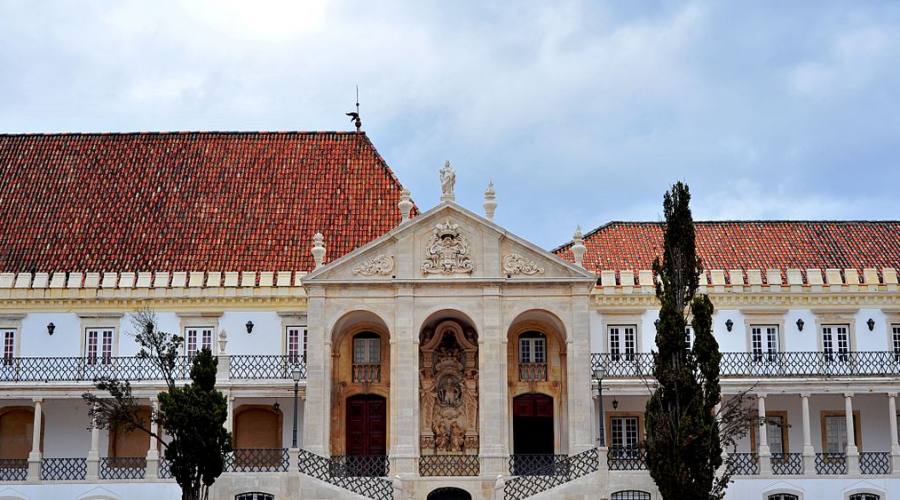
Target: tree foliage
[
  {"x": 685, "y": 425},
  {"x": 192, "y": 415}
]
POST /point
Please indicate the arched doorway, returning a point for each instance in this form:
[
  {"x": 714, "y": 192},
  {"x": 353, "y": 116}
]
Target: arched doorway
[
  {"x": 449, "y": 493},
  {"x": 532, "y": 433},
  {"x": 366, "y": 435}
]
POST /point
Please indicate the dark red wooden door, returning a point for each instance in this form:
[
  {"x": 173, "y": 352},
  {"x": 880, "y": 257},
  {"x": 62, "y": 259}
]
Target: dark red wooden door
[
  {"x": 366, "y": 425},
  {"x": 533, "y": 424}
]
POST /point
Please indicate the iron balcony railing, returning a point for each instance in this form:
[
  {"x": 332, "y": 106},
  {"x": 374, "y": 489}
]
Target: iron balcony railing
[
  {"x": 787, "y": 464},
  {"x": 828, "y": 464},
  {"x": 449, "y": 465},
  {"x": 133, "y": 368},
  {"x": 319, "y": 467},
  {"x": 366, "y": 373},
  {"x": 63, "y": 469},
  {"x": 626, "y": 458},
  {"x": 257, "y": 460},
  {"x": 775, "y": 364},
  {"x": 532, "y": 372},
  {"x": 538, "y": 465},
  {"x": 743, "y": 464},
  {"x": 123, "y": 467},
  {"x": 360, "y": 465},
  {"x": 875, "y": 462},
  {"x": 13, "y": 469},
  {"x": 263, "y": 366},
  {"x": 563, "y": 469}
]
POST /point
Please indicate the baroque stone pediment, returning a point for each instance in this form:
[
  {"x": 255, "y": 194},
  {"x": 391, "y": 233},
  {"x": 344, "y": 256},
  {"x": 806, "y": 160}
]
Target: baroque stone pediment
[{"x": 448, "y": 243}]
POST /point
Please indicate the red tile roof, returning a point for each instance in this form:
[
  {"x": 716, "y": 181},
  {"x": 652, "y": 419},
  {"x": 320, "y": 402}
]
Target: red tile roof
[
  {"x": 211, "y": 201},
  {"x": 750, "y": 245}
]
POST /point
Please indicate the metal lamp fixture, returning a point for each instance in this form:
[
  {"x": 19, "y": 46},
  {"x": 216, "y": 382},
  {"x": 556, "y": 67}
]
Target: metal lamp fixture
[
  {"x": 50, "y": 328},
  {"x": 249, "y": 326},
  {"x": 615, "y": 404},
  {"x": 656, "y": 323},
  {"x": 729, "y": 324},
  {"x": 276, "y": 406},
  {"x": 871, "y": 324},
  {"x": 800, "y": 324}
]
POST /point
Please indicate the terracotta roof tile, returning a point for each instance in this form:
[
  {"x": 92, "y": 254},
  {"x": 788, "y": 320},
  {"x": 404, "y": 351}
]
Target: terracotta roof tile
[
  {"x": 211, "y": 201},
  {"x": 750, "y": 245}
]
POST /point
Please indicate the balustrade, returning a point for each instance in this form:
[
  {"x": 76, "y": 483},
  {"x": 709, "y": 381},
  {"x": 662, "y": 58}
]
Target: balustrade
[{"x": 449, "y": 465}]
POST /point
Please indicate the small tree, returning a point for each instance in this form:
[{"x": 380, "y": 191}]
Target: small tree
[
  {"x": 193, "y": 415},
  {"x": 685, "y": 425}
]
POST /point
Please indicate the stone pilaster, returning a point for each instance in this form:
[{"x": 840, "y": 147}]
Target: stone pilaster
[
  {"x": 35, "y": 457},
  {"x": 578, "y": 371},
  {"x": 404, "y": 451},
  {"x": 317, "y": 405},
  {"x": 493, "y": 414}
]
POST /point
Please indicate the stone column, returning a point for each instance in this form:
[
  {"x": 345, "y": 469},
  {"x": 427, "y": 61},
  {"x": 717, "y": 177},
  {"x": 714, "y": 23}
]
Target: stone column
[
  {"x": 892, "y": 419},
  {"x": 153, "y": 452},
  {"x": 493, "y": 399},
  {"x": 765, "y": 464},
  {"x": 34, "y": 458},
  {"x": 852, "y": 450},
  {"x": 229, "y": 415},
  {"x": 578, "y": 372},
  {"x": 93, "y": 458},
  {"x": 317, "y": 405},
  {"x": 404, "y": 450},
  {"x": 809, "y": 453}
]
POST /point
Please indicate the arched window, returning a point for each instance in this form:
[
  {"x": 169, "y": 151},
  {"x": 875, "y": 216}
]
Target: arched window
[
  {"x": 783, "y": 496},
  {"x": 254, "y": 495},
  {"x": 630, "y": 495},
  {"x": 865, "y": 496},
  {"x": 366, "y": 357}
]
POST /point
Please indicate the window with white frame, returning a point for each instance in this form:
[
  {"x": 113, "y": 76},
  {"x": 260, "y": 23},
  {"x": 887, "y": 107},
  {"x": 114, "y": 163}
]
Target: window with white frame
[
  {"x": 9, "y": 345},
  {"x": 895, "y": 332},
  {"x": 296, "y": 344},
  {"x": 198, "y": 338},
  {"x": 835, "y": 434},
  {"x": 366, "y": 349},
  {"x": 836, "y": 340},
  {"x": 622, "y": 341},
  {"x": 764, "y": 342},
  {"x": 782, "y": 496},
  {"x": 775, "y": 430},
  {"x": 98, "y": 345},
  {"x": 532, "y": 348},
  {"x": 865, "y": 496},
  {"x": 624, "y": 432}
]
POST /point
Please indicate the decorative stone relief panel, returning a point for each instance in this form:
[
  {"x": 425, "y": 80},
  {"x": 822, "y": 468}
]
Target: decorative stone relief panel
[
  {"x": 448, "y": 390},
  {"x": 377, "y": 265},
  {"x": 448, "y": 251},
  {"x": 516, "y": 264}
]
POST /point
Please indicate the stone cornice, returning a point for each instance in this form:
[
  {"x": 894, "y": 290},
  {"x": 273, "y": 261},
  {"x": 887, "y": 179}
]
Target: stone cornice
[{"x": 761, "y": 300}]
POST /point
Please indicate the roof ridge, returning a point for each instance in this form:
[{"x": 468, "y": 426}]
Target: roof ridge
[{"x": 183, "y": 132}]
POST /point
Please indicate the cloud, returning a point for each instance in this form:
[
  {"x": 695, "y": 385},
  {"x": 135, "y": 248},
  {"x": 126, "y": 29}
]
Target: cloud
[{"x": 580, "y": 112}]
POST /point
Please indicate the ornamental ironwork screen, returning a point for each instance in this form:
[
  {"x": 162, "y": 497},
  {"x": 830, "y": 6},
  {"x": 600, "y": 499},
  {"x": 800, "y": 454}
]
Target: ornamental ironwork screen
[
  {"x": 743, "y": 464},
  {"x": 257, "y": 460},
  {"x": 538, "y": 465},
  {"x": 875, "y": 462},
  {"x": 449, "y": 465},
  {"x": 258, "y": 366},
  {"x": 319, "y": 467},
  {"x": 82, "y": 369},
  {"x": 828, "y": 464},
  {"x": 787, "y": 463},
  {"x": 63, "y": 469},
  {"x": 630, "y": 495},
  {"x": 13, "y": 469},
  {"x": 627, "y": 458},
  {"x": 123, "y": 467},
  {"x": 576, "y": 466}
]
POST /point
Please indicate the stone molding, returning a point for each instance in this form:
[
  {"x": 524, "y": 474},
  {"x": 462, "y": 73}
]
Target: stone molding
[{"x": 148, "y": 280}]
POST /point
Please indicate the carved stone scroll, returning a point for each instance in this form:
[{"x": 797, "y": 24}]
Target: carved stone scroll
[
  {"x": 516, "y": 264},
  {"x": 377, "y": 265}
]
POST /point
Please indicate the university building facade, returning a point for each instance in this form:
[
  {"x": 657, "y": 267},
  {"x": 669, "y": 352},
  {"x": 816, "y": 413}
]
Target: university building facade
[{"x": 372, "y": 349}]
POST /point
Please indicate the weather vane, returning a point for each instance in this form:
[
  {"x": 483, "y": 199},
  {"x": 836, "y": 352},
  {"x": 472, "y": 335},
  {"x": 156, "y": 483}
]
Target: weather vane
[{"x": 354, "y": 116}]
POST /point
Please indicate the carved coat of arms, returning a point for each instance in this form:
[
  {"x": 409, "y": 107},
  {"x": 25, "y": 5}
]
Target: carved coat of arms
[{"x": 448, "y": 251}]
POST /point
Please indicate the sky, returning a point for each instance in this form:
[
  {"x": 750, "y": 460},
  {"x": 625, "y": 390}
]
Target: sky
[{"x": 580, "y": 113}]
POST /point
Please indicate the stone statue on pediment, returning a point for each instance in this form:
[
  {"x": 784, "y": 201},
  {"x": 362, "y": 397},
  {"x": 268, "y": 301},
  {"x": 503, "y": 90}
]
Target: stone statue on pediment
[{"x": 448, "y": 182}]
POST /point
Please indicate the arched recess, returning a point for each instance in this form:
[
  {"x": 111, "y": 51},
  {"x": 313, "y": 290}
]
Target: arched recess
[
  {"x": 449, "y": 493},
  {"x": 537, "y": 364},
  {"x": 448, "y": 385},
  {"x": 16, "y": 432},
  {"x": 257, "y": 426},
  {"x": 361, "y": 365},
  {"x": 630, "y": 495},
  {"x": 133, "y": 443}
]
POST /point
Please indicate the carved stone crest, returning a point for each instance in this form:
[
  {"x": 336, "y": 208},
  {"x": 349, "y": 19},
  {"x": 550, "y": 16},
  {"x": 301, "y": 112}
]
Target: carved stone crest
[
  {"x": 448, "y": 251},
  {"x": 377, "y": 265},
  {"x": 516, "y": 264}
]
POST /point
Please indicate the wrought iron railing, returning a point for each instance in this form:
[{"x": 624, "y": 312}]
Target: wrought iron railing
[
  {"x": 366, "y": 373},
  {"x": 627, "y": 458},
  {"x": 449, "y": 465},
  {"x": 319, "y": 467},
  {"x": 785, "y": 464},
  {"x": 165, "y": 469},
  {"x": 257, "y": 460},
  {"x": 532, "y": 372},
  {"x": 743, "y": 464},
  {"x": 360, "y": 465},
  {"x": 80, "y": 369},
  {"x": 538, "y": 465},
  {"x": 829, "y": 464},
  {"x": 259, "y": 366},
  {"x": 575, "y": 466},
  {"x": 875, "y": 462},
  {"x": 123, "y": 467},
  {"x": 63, "y": 469},
  {"x": 748, "y": 364},
  {"x": 13, "y": 469}
]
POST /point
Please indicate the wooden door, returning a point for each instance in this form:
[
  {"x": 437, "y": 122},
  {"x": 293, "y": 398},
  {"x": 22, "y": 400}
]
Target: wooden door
[
  {"x": 366, "y": 425},
  {"x": 533, "y": 424}
]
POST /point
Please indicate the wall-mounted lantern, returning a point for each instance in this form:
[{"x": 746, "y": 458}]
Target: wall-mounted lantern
[
  {"x": 729, "y": 324},
  {"x": 50, "y": 328},
  {"x": 656, "y": 323},
  {"x": 615, "y": 404},
  {"x": 249, "y": 326},
  {"x": 276, "y": 407},
  {"x": 800, "y": 324},
  {"x": 871, "y": 324}
]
